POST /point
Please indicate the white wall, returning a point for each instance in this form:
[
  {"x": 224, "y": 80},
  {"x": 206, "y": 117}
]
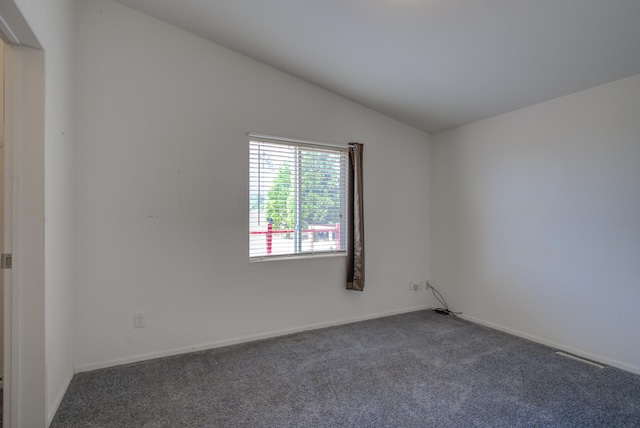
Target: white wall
[
  {"x": 536, "y": 221},
  {"x": 163, "y": 195},
  {"x": 53, "y": 172}
]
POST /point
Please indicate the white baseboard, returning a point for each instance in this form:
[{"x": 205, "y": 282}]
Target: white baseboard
[
  {"x": 579, "y": 352},
  {"x": 53, "y": 409},
  {"x": 234, "y": 341}
]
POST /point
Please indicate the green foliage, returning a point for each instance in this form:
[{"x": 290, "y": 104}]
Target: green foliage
[
  {"x": 319, "y": 193},
  {"x": 278, "y": 198},
  {"x": 320, "y": 189}
]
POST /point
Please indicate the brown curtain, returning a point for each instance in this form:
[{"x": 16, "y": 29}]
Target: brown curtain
[{"x": 355, "y": 236}]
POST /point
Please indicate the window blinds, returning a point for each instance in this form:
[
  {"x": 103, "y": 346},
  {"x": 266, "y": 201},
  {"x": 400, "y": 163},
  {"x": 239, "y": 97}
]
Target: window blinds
[{"x": 297, "y": 199}]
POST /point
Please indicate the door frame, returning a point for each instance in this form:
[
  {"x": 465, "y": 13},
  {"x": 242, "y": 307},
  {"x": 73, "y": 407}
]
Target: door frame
[{"x": 24, "y": 334}]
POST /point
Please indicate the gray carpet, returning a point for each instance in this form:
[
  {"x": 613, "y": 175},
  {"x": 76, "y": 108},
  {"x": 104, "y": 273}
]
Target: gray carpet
[{"x": 413, "y": 370}]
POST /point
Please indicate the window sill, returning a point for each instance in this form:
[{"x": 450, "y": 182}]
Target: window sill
[{"x": 297, "y": 256}]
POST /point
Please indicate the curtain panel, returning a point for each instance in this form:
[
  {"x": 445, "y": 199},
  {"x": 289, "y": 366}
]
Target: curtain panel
[{"x": 355, "y": 236}]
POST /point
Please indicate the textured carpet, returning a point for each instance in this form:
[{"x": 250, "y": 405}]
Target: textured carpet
[{"x": 413, "y": 370}]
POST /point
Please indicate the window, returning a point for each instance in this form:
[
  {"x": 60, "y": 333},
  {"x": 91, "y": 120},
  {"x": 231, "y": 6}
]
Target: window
[{"x": 297, "y": 199}]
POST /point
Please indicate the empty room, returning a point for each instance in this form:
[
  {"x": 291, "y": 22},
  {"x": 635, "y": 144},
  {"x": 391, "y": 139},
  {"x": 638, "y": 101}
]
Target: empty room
[{"x": 394, "y": 213}]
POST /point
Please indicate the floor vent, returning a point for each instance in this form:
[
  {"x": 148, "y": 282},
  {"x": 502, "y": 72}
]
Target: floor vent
[{"x": 582, "y": 360}]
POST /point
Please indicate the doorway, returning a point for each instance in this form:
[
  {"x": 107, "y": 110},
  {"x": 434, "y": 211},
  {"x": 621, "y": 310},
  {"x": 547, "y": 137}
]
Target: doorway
[
  {"x": 2, "y": 226},
  {"x": 24, "y": 380}
]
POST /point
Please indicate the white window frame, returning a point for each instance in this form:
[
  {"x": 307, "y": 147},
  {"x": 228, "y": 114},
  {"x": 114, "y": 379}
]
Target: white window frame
[{"x": 299, "y": 249}]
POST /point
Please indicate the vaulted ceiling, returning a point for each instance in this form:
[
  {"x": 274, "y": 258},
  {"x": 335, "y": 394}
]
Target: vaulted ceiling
[{"x": 433, "y": 64}]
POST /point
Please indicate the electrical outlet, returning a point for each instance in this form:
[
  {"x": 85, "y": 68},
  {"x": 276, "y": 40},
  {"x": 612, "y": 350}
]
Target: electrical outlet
[
  {"x": 427, "y": 285},
  {"x": 138, "y": 319},
  {"x": 416, "y": 286}
]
